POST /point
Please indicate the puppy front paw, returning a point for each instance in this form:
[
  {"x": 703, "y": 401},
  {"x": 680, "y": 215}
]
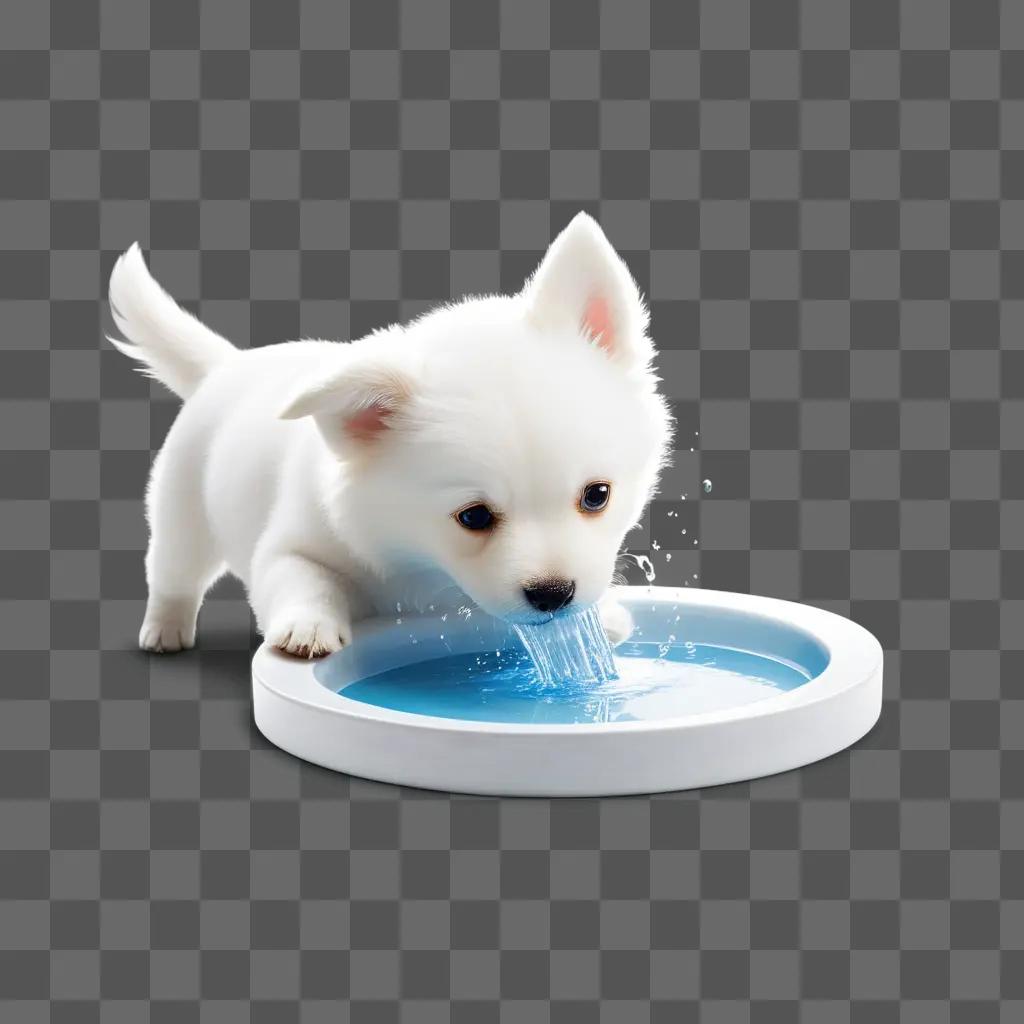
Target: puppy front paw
[
  {"x": 308, "y": 633},
  {"x": 617, "y": 621}
]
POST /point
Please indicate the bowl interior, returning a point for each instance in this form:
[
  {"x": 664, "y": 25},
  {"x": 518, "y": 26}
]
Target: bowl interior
[{"x": 681, "y": 659}]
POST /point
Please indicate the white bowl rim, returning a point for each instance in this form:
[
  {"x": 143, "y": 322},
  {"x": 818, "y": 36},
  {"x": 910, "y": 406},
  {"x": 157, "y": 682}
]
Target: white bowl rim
[{"x": 855, "y": 656}]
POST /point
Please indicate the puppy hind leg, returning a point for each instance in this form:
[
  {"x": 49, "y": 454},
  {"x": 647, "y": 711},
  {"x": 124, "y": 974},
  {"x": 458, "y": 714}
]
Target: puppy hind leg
[
  {"x": 300, "y": 605},
  {"x": 181, "y": 564}
]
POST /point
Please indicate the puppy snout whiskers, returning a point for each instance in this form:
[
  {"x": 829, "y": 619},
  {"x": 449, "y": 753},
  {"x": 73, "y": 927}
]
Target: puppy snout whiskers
[{"x": 550, "y": 595}]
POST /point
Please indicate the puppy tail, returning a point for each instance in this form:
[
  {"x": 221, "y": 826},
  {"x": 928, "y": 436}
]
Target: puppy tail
[{"x": 175, "y": 348}]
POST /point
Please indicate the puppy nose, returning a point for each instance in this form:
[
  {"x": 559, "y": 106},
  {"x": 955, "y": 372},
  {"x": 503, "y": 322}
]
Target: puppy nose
[{"x": 550, "y": 595}]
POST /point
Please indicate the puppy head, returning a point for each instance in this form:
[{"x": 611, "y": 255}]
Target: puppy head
[{"x": 509, "y": 441}]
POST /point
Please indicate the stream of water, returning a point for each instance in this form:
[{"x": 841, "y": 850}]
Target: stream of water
[{"x": 569, "y": 647}]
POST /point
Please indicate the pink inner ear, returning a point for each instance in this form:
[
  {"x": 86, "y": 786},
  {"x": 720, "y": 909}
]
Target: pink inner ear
[
  {"x": 597, "y": 322},
  {"x": 368, "y": 423}
]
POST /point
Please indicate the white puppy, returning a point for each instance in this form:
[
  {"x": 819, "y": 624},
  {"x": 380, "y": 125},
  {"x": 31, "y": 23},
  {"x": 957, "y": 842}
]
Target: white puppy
[{"x": 502, "y": 446}]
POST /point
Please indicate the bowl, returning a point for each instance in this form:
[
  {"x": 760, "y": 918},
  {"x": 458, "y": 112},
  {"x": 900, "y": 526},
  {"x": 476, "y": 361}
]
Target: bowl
[{"x": 715, "y": 687}]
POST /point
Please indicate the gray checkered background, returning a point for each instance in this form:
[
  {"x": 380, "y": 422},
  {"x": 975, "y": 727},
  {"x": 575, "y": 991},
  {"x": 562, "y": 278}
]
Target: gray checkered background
[{"x": 824, "y": 201}]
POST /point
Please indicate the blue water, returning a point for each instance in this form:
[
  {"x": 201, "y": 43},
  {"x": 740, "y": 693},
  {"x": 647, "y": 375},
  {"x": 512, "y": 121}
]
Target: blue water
[{"x": 655, "y": 681}]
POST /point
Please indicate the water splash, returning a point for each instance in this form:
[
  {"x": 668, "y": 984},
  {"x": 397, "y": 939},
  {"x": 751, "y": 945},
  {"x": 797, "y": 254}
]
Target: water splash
[
  {"x": 644, "y": 564},
  {"x": 569, "y": 648}
]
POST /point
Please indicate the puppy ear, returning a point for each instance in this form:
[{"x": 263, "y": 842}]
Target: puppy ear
[
  {"x": 355, "y": 400},
  {"x": 583, "y": 283}
]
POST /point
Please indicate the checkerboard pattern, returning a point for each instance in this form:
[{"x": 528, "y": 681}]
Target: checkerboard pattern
[{"x": 824, "y": 200}]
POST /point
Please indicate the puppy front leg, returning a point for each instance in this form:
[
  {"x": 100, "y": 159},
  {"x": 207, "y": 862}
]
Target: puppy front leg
[
  {"x": 616, "y": 619},
  {"x": 300, "y": 605}
]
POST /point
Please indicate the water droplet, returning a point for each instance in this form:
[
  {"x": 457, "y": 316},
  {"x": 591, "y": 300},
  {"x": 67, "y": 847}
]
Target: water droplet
[
  {"x": 684, "y": 532},
  {"x": 668, "y": 556},
  {"x": 707, "y": 486}
]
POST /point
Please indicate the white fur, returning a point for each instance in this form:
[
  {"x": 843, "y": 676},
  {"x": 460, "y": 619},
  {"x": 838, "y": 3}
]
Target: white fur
[{"x": 326, "y": 475}]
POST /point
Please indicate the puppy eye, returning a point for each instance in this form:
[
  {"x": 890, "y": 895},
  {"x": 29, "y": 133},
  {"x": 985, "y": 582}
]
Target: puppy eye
[
  {"x": 475, "y": 517},
  {"x": 595, "y": 496}
]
